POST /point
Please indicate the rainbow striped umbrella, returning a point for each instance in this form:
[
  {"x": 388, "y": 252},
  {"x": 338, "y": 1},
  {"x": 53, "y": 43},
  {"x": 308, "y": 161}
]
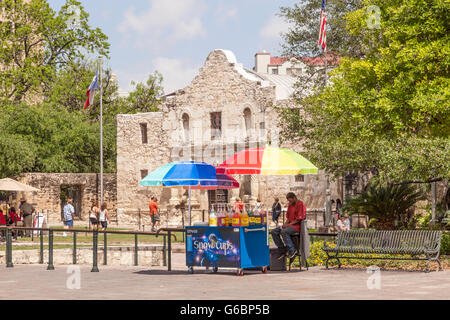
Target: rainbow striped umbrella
[{"x": 268, "y": 161}]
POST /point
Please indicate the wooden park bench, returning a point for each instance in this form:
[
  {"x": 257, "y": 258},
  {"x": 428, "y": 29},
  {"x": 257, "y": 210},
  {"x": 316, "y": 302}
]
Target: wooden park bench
[{"x": 414, "y": 243}]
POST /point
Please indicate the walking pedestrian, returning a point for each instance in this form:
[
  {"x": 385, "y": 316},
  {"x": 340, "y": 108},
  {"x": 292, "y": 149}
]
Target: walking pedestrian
[
  {"x": 153, "y": 206},
  {"x": 93, "y": 215},
  {"x": 26, "y": 212},
  {"x": 104, "y": 216},
  {"x": 69, "y": 213}
]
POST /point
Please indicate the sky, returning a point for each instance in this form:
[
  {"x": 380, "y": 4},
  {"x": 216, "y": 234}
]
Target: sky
[{"x": 176, "y": 36}]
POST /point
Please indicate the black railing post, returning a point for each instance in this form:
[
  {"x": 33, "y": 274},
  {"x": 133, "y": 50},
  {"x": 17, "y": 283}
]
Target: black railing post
[
  {"x": 50, "y": 251},
  {"x": 41, "y": 247},
  {"x": 9, "y": 263},
  {"x": 135, "y": 249},
  {"x": 169, "y": 240},
  {"x": 74, "y": 247},
  {"x": 164, "y": 252},
  {"x": 94, "y": 252},
  {"x": 105, "y": 250}
]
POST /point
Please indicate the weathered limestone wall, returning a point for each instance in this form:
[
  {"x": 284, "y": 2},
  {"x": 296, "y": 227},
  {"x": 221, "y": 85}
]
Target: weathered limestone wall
[
  {"x": 116, "y": 256},
  {"x": 48, "y": 199},
  {"x": 134, "y": 156}
]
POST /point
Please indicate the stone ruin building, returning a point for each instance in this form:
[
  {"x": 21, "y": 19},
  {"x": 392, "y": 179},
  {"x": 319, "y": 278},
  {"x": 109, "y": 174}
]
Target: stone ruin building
[{"x": 225, "y": 109}]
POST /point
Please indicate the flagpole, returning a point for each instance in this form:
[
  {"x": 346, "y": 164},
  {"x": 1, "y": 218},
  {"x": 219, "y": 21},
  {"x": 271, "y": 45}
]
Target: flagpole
[
  {"x": 328, "y": 220},
  {"x": 101, "y": 127}
]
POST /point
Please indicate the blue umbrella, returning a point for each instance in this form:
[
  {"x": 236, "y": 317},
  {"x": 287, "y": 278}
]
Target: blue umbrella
[{"x": 191, "y": 174}]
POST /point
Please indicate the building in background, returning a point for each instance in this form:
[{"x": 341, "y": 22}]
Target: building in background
[{"x": 225, "y": 109}]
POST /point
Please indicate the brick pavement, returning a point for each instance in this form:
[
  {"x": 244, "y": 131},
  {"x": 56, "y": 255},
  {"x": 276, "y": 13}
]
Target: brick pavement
[{"x": 35, "y": 282}]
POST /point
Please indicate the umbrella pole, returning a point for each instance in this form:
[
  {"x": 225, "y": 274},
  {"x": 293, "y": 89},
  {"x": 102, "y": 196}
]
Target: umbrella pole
[{"x": 190, "y": 221}]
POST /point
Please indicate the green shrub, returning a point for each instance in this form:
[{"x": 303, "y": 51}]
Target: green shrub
[
  {"x": 445, "y": 243},
  {"x": 390, "y": 204}
]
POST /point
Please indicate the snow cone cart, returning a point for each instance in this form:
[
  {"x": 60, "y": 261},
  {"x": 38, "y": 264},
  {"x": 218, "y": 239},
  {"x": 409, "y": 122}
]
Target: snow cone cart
[{"x": 227, "y": 247}]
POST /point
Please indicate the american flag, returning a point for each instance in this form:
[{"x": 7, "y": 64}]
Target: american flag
[{"x": 323, "y": 27}]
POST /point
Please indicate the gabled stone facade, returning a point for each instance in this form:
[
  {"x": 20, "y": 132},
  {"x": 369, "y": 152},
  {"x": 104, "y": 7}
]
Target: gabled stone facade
[{"x": 224, "y": 94}]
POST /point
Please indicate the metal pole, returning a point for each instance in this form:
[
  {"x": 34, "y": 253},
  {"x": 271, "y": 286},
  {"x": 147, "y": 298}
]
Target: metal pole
[
  {"x": 169, "y": 242},
  {"x": 41, "y": 255},
  {"x": 74, "y": 248},
  {"x": 94, "y": 252},
  {"x": 50, "y": 251},
  {"x": 433, "y": 202},
  {"x": 101, "y": 128},
  {"x": 164, "y": 252},
  {"x": 135, "y": 249},
  {"x": 190, "y": 218},
  {"x": 9, "y": 263},
  {"x": 105, "y": 249}
]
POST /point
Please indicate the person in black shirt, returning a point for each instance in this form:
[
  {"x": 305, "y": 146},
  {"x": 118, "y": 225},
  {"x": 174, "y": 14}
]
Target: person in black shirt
[{"x": 276, "y": 211}]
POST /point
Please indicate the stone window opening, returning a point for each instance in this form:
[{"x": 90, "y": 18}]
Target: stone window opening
[
  {"x": 248, "y": 122},
  {"x": 300, "y": 178},
  {"x": 144, "y": 133},
  {"x": 186, "y": 127},
  {"x": 216, "y": 125}
]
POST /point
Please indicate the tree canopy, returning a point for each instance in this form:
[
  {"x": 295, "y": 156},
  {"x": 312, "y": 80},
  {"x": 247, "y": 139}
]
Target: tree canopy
[
  {"x": 385, "y": 111},
  {"x": 47, "y": 68}
]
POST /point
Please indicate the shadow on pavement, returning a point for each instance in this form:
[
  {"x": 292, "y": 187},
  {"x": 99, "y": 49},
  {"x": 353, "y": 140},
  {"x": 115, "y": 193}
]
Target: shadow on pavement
[{"x": 221, "y": 272}]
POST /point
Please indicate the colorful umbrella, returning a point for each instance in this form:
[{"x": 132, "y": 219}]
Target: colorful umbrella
[
  {"x": 268, "y": 161},
  {"x": 191, "y": 175}
]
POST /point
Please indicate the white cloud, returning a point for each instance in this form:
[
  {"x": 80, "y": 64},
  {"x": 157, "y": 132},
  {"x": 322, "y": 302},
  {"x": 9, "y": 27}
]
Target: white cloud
[
  {"x": 176, "y": 74},
  {"x": 165, "y": 20},
  {"x": 225, "y": 12},
  {"x": 274, "y": 27}
]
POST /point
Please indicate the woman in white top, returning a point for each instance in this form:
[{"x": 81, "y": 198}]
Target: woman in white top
[
  {"x": 258, "y": 206},
  {"x": 104, "y": 216},
  {"x": 343, "y": 224},
  {"x": 93, "y": 215}
]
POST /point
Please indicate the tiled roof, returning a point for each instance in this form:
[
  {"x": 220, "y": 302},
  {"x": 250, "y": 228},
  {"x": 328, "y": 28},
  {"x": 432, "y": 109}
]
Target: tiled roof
[
  {"x": 312, "y": 61},
  {"x": 276, "y": 61}
]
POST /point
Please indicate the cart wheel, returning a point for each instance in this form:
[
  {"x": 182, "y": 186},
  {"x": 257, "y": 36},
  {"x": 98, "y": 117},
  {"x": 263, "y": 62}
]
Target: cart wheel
[
  {"x": 215, "y": 269},
  {"x": 191, "y": 270},
  {"x": 264, "y": 269},
  {"x": 240, "y": 272}
]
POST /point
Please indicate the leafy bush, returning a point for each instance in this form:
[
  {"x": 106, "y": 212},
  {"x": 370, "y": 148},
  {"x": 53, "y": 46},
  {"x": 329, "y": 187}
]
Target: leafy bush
[
  {"x": 445, "y": 243},
  {"x": 391, "y": 205}
]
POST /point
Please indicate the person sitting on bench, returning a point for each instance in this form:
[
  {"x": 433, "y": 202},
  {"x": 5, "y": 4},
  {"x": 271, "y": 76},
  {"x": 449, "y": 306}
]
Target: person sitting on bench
[{"x": 281, "y": 236}]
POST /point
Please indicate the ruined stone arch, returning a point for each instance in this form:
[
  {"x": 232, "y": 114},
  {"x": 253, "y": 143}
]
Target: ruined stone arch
[{"x": 248, "y": 116}]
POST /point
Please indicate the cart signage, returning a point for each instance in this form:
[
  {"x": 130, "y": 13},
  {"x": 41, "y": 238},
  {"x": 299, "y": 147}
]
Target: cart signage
[{"x": 212, "y": 247}]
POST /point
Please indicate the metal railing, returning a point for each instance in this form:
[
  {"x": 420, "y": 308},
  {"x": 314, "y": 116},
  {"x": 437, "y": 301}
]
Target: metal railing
[{"x": 167, "y": 237}]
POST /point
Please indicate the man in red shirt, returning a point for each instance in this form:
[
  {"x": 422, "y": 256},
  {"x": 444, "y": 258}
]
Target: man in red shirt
[
  {"x": 153, "y": 206},
  {"x": 282, "y": 236}
]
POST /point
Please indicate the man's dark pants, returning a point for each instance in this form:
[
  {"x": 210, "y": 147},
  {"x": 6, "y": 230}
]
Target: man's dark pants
[
  {"x": 278, "y": 234},
  {"x": 28, "y": 223}
]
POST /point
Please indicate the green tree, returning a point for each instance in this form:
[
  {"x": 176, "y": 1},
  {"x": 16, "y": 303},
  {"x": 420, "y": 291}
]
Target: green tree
[
  {"x": 303, "y": 35},
  {"x": 386, "y": 113},
  {"x": 54, "y": 140},
  {"x": 146, "y": 97},
  {"x": 36, "y": 42}
]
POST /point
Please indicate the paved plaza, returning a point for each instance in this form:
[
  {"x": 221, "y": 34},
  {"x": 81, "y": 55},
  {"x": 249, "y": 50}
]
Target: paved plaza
[{"x": 35, "y": 282}]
